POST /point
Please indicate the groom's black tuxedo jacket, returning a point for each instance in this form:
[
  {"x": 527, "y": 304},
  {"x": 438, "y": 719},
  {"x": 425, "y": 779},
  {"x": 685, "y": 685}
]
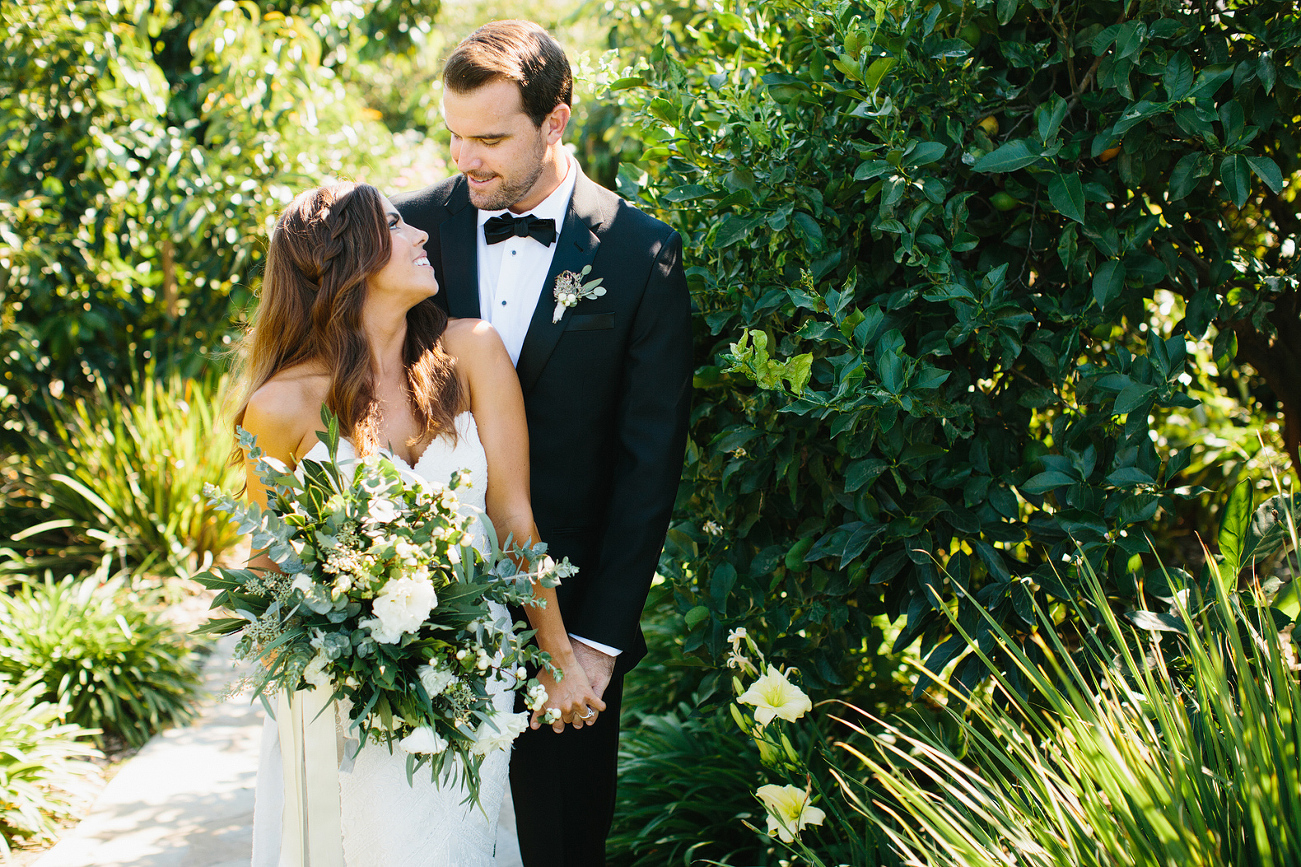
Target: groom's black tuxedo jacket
[{"x": 606, "y": 392}]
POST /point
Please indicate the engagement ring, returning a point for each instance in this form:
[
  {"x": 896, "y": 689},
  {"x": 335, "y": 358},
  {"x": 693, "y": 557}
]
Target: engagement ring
[{"x": 590, "y": 713}]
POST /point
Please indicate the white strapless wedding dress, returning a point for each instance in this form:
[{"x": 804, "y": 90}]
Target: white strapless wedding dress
[{"x": 386, "y": 822}]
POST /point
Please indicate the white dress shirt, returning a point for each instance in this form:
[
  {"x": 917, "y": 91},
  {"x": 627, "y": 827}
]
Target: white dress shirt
[{"x": 511, "y": 274}]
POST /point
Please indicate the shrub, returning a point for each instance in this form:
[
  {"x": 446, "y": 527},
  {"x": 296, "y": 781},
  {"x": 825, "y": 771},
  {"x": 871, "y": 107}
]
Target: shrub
[
  {"x": 684, "y": 792},
  {"x": 928, "y": 234},
  {"x": 44, "y": 772},
  {"x": 123, "y": 475},
  {"x": 99, "y": 656}
]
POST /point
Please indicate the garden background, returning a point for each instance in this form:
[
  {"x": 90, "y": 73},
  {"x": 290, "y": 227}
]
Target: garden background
[{"x": 996, "y": 418}]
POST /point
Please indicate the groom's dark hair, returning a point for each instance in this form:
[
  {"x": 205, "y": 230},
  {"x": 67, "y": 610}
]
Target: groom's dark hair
[{"x": 518, "y": 51}]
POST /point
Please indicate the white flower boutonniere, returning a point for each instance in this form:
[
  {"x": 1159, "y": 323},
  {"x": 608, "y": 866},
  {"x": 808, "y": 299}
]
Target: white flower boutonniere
[{"x": 570, "y": 289}]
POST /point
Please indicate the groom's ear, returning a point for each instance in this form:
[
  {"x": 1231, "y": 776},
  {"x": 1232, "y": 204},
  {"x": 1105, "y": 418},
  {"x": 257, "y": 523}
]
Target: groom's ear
[{"x": 553, "y": 125}]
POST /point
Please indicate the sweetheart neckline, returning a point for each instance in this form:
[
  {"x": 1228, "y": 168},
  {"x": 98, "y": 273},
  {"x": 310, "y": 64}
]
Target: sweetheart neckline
[{"x": 413, "y": 467}]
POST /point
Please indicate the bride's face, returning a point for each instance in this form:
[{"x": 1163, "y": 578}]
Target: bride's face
[{"x": 407, "y": 276}]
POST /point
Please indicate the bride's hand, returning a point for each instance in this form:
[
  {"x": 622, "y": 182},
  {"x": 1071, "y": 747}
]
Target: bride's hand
[{"x": 572, "y": 696}]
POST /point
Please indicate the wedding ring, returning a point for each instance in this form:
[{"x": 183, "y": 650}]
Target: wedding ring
[{"x": 590, "y": 713}]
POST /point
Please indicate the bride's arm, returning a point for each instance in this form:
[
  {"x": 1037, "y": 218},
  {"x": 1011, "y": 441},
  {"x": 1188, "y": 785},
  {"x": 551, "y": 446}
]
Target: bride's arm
[
  {"x": 276, "y": 418},
  {"x": 498, "y": 408}
]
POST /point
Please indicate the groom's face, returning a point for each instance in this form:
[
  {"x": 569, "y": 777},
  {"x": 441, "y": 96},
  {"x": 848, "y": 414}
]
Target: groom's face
[{"x": 496, "y": 145}]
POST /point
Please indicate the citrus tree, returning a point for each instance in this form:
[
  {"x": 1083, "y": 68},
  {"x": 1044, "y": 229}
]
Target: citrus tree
[{"x": 925, "y": 238}]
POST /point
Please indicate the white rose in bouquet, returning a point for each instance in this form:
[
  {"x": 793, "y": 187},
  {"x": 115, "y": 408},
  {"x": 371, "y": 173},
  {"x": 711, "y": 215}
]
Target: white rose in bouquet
[
  {"x": 423, "y": 740},
  {"x": 435, "y": 679},
  {"x": 401, "y": 607},
  {"x": 508, "y": 727}
]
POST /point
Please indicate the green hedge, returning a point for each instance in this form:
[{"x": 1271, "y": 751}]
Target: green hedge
[{"x": 924, "y": 241}]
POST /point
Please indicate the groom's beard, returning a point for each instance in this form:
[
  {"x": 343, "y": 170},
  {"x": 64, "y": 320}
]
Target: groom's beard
[{"x": 510, "y": 190}]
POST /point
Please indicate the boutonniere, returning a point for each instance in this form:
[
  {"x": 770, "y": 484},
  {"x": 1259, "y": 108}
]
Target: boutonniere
[{"x": 570, "y": 289}]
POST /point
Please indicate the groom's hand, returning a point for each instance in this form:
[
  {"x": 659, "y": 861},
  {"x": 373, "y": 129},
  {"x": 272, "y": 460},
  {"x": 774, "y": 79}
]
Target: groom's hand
[{"x": 596, "y": 665}]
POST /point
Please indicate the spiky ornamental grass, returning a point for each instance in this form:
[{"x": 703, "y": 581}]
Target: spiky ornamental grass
[
  {"x": 96, "y": 651},
  {"x": 1126, "y": 754},
  {"x": 45, "y": 774},
  {"x": 120, "y": 475}
]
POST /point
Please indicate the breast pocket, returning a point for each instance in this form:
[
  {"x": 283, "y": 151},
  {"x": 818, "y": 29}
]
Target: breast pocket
[{"x": 590, "y": 322}]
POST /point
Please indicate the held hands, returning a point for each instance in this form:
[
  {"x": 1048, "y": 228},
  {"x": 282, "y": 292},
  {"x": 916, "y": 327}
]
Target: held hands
[{"x": 573, "y": 697}]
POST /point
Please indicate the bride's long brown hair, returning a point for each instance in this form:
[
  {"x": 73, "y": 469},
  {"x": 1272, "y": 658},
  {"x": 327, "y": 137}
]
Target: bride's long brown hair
[{"x": 323, "y": 247}]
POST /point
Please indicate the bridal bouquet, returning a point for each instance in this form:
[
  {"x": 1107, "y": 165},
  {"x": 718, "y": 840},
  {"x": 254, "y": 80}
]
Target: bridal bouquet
[{"x": 381, "y": 599}]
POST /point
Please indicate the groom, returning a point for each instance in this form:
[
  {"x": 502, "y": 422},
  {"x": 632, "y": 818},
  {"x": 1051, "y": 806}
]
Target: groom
[{"x": 605, "y": 380}]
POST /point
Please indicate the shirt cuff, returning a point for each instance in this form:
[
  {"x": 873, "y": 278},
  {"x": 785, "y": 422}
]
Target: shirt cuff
[{"x": 596, "y": 645}]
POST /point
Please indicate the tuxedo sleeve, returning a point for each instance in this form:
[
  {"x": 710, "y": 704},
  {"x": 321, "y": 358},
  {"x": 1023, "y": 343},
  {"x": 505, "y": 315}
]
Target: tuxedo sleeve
[{"x": 650, "y": 435}]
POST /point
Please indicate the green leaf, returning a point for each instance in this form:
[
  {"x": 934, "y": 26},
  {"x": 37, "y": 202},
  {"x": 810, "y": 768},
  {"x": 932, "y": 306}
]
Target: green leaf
[
  {"x": 1128, "y": 476},
  {"x": 1235, "y": 174},
  {"x": 1234, "y": 526},
  {"x": 733, "y": 229},
  {"x": 1288, "y": 599},
  {"x": 925, "y": 153},
  {"x": 1178, "y": 77},
  {"x": 1267, "y": 170},
  {"x": 1187, "y": 172},
  {"x": 1210, "y": 79},
  {"x": 1067, "y": 195},
  {"x": 1049, "y": 117},
  {"x": 797, "y": 371},
  {"x": 1005, "y": 10},
  {"x": 1156, "y": 622},
  {"x": 1132, "y": 397},
  {"x": 686, "y": 192},
  {"x": 877, "y": 71},
  {"x": 628, "y": 83},
  {"x": 1047, "y": 481},
  {"x": 1014, "y": 155},
  {"x": 1108, "y": 282}
]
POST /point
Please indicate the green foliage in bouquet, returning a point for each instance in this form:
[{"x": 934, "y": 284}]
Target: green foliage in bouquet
[
  {"x": 99, "y": 656},
  {"x": 923, "y": 240},
  {"x": 45, "y": 772},
  {"x": 378, "y": 596},
  {"x": 121, "y": 474}
]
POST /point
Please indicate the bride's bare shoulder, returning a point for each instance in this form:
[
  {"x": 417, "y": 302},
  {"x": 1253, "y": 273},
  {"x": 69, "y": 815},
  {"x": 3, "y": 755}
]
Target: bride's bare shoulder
[
  {"x": 285, "y": 411},
  {"x": 472, "y": 340}
]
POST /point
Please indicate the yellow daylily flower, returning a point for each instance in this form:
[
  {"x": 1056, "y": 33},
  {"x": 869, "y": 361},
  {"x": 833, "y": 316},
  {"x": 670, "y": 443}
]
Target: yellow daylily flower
[
  {"x": 789, "y": 811},
  {"x": 773, "y": 695}
]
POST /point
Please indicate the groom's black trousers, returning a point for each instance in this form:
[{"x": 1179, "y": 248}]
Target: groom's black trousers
[{"x": 564, "y": 786}]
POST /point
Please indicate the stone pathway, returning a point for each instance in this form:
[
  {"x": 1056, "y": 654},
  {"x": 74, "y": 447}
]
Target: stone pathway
[{"x": 186, "y": 799}]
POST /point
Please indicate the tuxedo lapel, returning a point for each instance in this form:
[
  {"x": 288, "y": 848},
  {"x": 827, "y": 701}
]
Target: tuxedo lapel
[
  {"x": 575, "y": 249},
  {"x": 459, "y": 247}
]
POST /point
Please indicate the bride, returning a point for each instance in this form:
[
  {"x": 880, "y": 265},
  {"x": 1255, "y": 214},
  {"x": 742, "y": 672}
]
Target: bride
[{"x": 346, "y": 320}]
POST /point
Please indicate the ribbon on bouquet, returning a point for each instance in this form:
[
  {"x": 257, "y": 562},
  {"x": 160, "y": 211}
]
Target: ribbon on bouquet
[{"x": 311, "y": 828}]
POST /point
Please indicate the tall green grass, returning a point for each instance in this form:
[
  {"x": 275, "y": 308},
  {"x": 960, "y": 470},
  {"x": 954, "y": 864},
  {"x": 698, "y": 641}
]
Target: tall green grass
[
  {"x": 1123, "y": 752},
  {"x": 119, "y": 477}
]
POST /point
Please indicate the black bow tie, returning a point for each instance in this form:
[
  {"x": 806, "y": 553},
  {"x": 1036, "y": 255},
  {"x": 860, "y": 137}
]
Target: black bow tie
[{"x": 501, "y": 227}]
